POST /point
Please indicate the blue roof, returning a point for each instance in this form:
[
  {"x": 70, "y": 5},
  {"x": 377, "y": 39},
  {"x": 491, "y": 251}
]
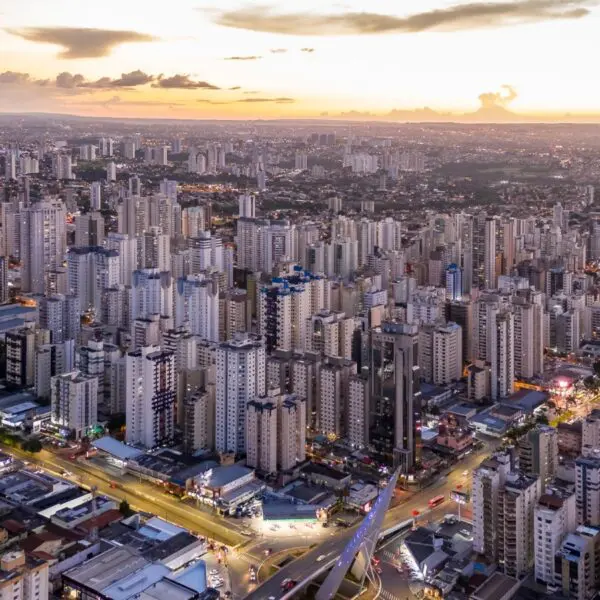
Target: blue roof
[
  {"x": 116, "y": 448},
  {"x": 193, "y": 577},
  {"x": 158, "y": 529},
  {"x": 221, "y": 476}
]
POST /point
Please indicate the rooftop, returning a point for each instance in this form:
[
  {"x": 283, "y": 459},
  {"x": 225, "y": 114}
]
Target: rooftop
[{"x": 496, "y": 587}]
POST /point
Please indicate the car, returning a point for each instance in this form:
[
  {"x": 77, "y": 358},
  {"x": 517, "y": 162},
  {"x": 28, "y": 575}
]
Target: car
[
  {"x": 321, "y": 557},
  {"x": 465, "y": 533},
  {"x": 465, "y": 473},
  {"x": 213, "y": 572},
  {"x": 272, "y": 598},
  {"x": 290, "y": 584},
  {"x": 217, "y": 584}
]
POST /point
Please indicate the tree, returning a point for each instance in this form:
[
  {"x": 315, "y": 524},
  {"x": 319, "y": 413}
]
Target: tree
[
  {"x": 32, "y": 446},
  {"x": 124, "y": 508},
  {"x": 597, "y": 368}
]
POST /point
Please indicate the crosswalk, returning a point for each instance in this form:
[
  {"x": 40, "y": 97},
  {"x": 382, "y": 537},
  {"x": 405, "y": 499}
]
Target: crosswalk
[
  {"x": 388, "y": 556},
  {"x": 388, "y": 595}
]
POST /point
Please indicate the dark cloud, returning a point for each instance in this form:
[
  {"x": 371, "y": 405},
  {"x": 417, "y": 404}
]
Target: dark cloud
[
  {"x": 81, "y": 42},
  {"x": 309, "y": 50},
  {"x": 498, "y": 99},
  {"x": 452, "y": 18},
  {"x": 235, "y": 87},
  {"x": 18, "y": 78},
  {"x": 243, "y": 58},
  {"x": 183, "y": 82},
  {"x": 68, "y": 80}
]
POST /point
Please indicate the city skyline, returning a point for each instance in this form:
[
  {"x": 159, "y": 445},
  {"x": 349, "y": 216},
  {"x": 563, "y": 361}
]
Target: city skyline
[{"x": 431, "y": 60}]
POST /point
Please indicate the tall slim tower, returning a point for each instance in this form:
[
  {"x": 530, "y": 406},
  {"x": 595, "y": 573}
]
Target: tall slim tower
[
  {"x": 396, "y": 394},
  {"x": 43, "y": 243}
]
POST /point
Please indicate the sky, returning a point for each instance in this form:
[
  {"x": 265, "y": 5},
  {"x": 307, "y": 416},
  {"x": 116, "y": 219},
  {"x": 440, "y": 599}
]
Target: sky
[{"x": 205, "y": 59}]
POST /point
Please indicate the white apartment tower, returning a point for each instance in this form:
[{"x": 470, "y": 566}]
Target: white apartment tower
[
  {"x": 241, "y": 377},
  {"x": 555, "y": 515},
  {"x": 74, "y": 402},
  {"x": 43, "y": 243}
]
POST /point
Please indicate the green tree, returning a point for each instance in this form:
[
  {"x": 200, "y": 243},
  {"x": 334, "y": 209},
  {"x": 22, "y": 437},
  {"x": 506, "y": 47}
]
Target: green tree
[
  {"x": 124, "y": 508},
  {"x": 32, "y": 446}
]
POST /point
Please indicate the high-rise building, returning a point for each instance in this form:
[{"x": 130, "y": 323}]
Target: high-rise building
[
  {"x": 111, "y": 172},
  {"x": 106, "y": 146},
  {"x": 395, "y": 420},
  {"x": 61, "y": 316},
  {"x": 504, "y": 501},
  {"x": 447, "y": 356},
  {"x": 247, "y": 206},
  {"x": 25, "y": 577},
  {"x": 4, "y": 291},
  {"x": 199, "y": 419},
  {"x": 332, "y": 394},
  {"x": 91, "y": 270},
  {"x": 197, "y": 305},
  {"x": 577, "y": 564},
  {"x": 150, "y": 397},
  {"x": 454, "y": 284},
  {"x": 555, "y": 516},
  {"x": 261, "y": 434},
  {"x": 43, "y": 243},
  {"x": 301, "y": 161},
  {"x": 96, "y": 196},
  {"x": 291, "y": 431},
  {"x": 538, "y": 452},
  {"x": 241, "y": 377},
  {"x": 74, "y": 402},
  {"x": 89, "y": 229},
  {"x": 587, "y": 488},
  {"x": 10, "y": 165},
  {"x": 357, "y": 415},
  {"x": 590, "y": 433},
  {"x": 151, "y": 294},
  {"x": 20, "y": 356}
]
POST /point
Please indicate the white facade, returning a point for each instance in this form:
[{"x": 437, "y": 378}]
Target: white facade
[
  {"x": 555, "y": 515},
  {"x": 43, "y": 243},
  {"x": 74, "y": 399},
  {"x": 197, "y": 305},
  {"x": 241, "y": 377}
]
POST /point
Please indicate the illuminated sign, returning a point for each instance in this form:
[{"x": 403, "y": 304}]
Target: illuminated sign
[{"x": 459, "y": 497}]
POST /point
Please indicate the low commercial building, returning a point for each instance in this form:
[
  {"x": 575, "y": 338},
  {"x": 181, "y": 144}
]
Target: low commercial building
[
  {"x": 323, "y": 475},
  {"x": 226, "y": 487}
]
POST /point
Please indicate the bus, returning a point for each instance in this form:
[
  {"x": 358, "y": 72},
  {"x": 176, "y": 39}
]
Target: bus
[{"x": 436, "y": 501}]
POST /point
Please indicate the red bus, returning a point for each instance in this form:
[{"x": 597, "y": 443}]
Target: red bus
[{"x": 436, "y": 501}]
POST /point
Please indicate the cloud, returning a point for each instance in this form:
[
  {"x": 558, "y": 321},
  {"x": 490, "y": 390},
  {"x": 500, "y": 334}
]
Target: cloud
[
  {"x": 249, "y": 101},
  {"x": 252, "y": 92},
  {"x": 458, "y": 17},
  {"x": 68, "y": 80},
  {"x": 81, "y": 42},
  {"x": 276, "y": 100},
  {"x": 18, "y": 78},
  {"x": 278, "y": 50},
  {"x": 118, "y": 101},
  {"x": 183, "y": 82},
  {"x": 243, "y": 58},
  {"x": 309, "y": 50},
  {"x": 235, "y": 87},
  {"x": 498, "y": 99}
]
